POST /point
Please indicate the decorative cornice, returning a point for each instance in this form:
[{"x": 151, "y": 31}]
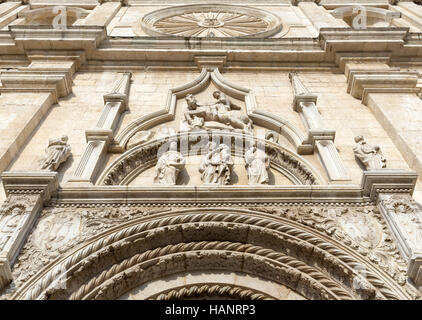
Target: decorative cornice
[
  {"x": 59, "y": 83},
  {"x": 210, "y": 63},
  {"x": 71, "y": 38},
  {"x": 38, "y": 182},
  {"x": 362, "y": 82},
  {"x": 387, "y": 180}
]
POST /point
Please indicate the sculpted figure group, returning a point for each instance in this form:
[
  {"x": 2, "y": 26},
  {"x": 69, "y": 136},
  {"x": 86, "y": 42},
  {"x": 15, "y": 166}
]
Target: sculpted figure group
[
  {"x": 371, "y": 157},
  {"x": 215, "y": 167},
  {"x": 222, "y": 111}
]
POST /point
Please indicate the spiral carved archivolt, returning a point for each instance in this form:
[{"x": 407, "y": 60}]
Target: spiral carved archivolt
[{"x": 147, "y": 249}]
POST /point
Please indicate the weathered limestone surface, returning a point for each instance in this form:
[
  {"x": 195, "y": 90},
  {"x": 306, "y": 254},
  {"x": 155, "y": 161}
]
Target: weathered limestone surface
[{"x": 254, "y": 150}]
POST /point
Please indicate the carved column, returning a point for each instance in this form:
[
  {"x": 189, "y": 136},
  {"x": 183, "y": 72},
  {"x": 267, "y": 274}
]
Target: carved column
[
  {"x": 393, "y": 190},
  {"x": 26, "y": 193},
  {"x": 98, "y": 139},
  {"x": 321, "y": 138}
]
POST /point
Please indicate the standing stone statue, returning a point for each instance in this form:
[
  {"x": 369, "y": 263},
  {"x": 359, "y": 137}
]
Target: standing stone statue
[
  {"x": 169, "y": 166},
  {"x": 257, "y": 163},
  {"x": 57, "y": 152},
  {"x": 371, "y": 157},
  {"x": 216, "y": 165}
]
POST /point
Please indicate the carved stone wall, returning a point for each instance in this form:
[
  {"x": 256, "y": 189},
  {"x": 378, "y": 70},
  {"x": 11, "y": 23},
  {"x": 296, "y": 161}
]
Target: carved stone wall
[
  {"x": 65, "y": 233},
  {"x": 110, "y": 211}
]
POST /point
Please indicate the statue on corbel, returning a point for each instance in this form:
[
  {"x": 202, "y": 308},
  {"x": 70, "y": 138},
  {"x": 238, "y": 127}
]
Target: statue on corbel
[
  {"x": 169, "y": 166},
  {"x": 371, "y": 157},
  {"x": 57, "y": 152},
  {"x": 257, "y": 163},
  {"x": 216, "y": 166},
  {"x": 222, "y": 111}
]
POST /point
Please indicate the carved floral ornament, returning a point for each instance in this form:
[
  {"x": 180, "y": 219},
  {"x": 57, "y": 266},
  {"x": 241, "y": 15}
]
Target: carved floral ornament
[
  {"x": 210, "y": 20},
  {"x": 146, "y": 247}
]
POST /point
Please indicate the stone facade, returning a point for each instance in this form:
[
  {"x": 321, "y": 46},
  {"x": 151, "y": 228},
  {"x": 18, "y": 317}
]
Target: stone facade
[{"x": 182, "y": 150}]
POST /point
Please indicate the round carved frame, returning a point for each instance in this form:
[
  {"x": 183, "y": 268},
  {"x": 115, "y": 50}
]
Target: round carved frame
[
  {"x": 255, "y": 243},
  {"x": 149, "y": 22}
]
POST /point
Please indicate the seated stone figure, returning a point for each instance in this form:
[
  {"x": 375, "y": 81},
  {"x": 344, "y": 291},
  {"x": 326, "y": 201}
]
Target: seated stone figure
[
  {"x": 222, "y": 111},
  {"x": 371, "y": 157},
  {"x": 169, "y": 166}
]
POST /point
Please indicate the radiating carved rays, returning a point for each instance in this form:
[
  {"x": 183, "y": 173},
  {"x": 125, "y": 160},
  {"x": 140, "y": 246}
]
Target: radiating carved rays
[{"x": 211, "y": 24}]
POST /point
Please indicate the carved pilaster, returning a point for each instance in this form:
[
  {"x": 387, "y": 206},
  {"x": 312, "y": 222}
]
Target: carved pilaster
[
  {"x": 322, "y": 139},
  {"x": 331, "y": 160},
  {"x": 26, "y": 193},
  {"x": 404, "y": 218},
  {"x": 120, "y": 90},
  {"x": 393, "y": 191},
  {"x": 97, "y": 144},
  {"x": 98, "y": 140},
  {"x": 5, "y": 271}
]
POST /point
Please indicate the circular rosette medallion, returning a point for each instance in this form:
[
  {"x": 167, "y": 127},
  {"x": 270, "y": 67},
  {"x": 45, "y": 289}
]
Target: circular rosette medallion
[
  {"x": 210, "y": 21},
  {"x": 362, "y": 229}
]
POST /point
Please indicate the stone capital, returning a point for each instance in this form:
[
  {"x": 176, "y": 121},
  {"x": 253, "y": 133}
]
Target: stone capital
[
  {"x": 99, "y": 135},
  {"x": 44, "y": 183},
  {"x": 58, "y": 83},
  {"x": 210, "y": 63},
  {"x": 362, "y": 82},
  {"x": 120, "y": 92},
  {"x": 388, "y": 180}
]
